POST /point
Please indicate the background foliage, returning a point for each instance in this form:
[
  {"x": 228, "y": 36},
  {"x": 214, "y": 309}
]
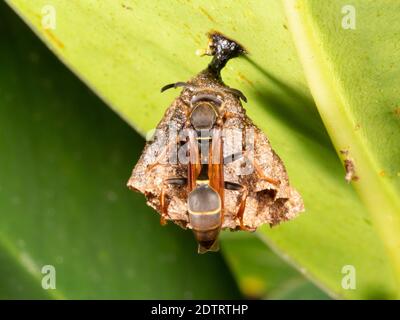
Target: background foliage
[{"x": 66, "y": 158}]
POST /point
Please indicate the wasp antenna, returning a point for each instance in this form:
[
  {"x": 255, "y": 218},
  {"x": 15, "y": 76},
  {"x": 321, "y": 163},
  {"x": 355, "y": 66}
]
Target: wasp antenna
[
  {"x": 222, "y": 49},
  {"x": 237, "y": 93},
  {"x": 168, "y": 86},
  {"x": 176, "y": 85}
]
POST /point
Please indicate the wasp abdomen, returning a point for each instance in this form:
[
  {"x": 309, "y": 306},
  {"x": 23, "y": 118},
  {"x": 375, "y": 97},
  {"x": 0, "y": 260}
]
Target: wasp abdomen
[{"x": 204, "y": 206}]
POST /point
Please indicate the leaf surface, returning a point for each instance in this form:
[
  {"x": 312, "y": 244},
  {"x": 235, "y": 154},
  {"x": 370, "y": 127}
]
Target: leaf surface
[
  {"x": 353, "y": 73},
  {"x": 63, "y": 201},
  {"x": 126, "y": 50}
]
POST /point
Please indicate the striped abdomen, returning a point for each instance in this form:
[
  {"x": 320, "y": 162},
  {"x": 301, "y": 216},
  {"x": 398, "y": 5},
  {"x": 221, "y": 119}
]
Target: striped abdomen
[{"x": 204, "y": 206}]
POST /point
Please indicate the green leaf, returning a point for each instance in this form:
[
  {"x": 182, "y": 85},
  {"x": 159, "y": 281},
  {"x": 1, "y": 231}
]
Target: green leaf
[
  {"x": 64, "y": 162},
  {"x": 125, "y": 51},
  {"x": 353, "y": 75},
  {"x": 261, "y": 274}
]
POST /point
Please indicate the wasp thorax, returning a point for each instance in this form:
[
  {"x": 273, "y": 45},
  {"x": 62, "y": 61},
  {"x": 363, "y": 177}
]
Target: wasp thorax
[
  {"x": 203, "y": 116},
  {"x": 204, "y": 206}
]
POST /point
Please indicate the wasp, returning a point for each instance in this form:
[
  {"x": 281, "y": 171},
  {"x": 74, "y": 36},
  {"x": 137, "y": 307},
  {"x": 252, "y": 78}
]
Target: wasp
[
  {"x": 205, "y": 176},
  {"x": 204, "y": 193}
]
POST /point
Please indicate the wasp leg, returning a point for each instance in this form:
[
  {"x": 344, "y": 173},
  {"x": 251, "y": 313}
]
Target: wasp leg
[
  {"x": 163, "y": 205},
  {"x": 236, "y": 93},
  {"x": 227, "y": 115},
  {"x": 176, "y": 85},
  {"x": 177, "y": 181},
  {"x": 264, "y": 177},
  {"x": 161, "y": 155},
  {"x": 238, "y": 187},
  {"x": 238, "y": 155}
]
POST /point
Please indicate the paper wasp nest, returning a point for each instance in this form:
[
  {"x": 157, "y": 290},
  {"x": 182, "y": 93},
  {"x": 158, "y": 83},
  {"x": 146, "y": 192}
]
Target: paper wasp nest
[{"x": 267, "y": 203}]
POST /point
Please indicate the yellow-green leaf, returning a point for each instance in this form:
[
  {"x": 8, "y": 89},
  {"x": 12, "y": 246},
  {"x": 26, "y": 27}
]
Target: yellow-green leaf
[{"x": 126, "y": 50}]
